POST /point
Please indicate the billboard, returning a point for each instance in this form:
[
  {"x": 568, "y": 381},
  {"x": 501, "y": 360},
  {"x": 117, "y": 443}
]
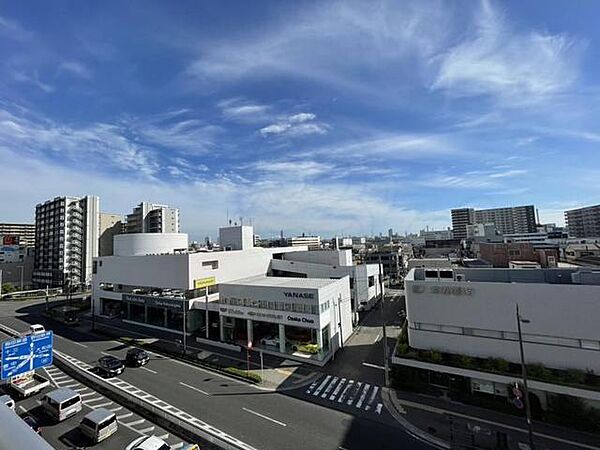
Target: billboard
[
  {"x": 204, "y": 282},
  {"x": 26, "y": 353},
  {"x": 10, "y": 239}
]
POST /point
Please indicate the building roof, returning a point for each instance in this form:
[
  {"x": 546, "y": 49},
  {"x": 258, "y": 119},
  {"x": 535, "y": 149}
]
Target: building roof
[{"x": 288, "y": 282}]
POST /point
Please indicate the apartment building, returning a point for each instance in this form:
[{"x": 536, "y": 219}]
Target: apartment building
[
  {"x": 152, "y": 218},
  {"x": 25, "y": 233},
  {"x": 583, "y": 222},
  {"x": 516, "y": 219},
  {"x": 66, "y": 240},
  {"x": 312, "y": 242}
]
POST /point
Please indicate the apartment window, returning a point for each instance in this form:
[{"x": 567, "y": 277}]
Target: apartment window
[
  {"x": 371, "y": 281},
  {"x": 212, "y": 264},
  {"x": 514, "y": 253}
]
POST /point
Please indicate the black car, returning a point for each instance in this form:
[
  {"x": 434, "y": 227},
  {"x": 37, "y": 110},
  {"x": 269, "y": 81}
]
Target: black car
[
  {"x": 29, "y": 420},
  {"x": 137, "y": 357},
  {"x": 111, "y": 366}
]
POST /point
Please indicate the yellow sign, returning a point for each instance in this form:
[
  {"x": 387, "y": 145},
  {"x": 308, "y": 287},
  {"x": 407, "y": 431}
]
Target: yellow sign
[{"x": 204, "y": 282}]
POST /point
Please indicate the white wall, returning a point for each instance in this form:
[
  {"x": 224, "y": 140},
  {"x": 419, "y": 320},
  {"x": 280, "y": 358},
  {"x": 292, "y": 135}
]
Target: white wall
[
  {"x": 138, "y": 244},
  {"x": 329, "y": 257},
  {"x": 566, "y": 311}
]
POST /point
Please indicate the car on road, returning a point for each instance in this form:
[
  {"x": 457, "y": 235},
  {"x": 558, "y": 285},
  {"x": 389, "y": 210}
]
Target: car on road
[
  {"x": 148, "y": 443},
  {"x": 270, "y": 340},
  {"x": 33, "y": 424},
  {"x": 137, "y": 357},
  {"x": 111, "y": 366},
  {"x": 36, "y": 329}
]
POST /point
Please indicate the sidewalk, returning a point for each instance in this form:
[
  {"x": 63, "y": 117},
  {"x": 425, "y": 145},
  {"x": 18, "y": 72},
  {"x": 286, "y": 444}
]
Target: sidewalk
[{"x": 465, "y": 426}]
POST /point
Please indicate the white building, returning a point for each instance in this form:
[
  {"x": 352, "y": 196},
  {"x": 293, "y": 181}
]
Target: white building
[
  {"x": 238, "y": 237},
  {"x": 472, "y": 312},
  {"x": 137, "y": 244},
  {"x": 363, "y": 279},
  {"x": 312, "y": 242},
  {"x": 152, "y": 218},
  {"x": 436, "y": 235},
  {"x": 304, "y": 316},
  {"x": 66, "y": 240}
]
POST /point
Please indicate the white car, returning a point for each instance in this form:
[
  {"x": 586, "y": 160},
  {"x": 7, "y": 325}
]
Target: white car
[
  {"x": 148, "y": 443},
  {"x": 270, "y": 340},
  {"x": 36, "y": 329}
]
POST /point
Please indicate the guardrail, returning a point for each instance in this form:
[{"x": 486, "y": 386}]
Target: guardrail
[{"x": 145, "y": 404}]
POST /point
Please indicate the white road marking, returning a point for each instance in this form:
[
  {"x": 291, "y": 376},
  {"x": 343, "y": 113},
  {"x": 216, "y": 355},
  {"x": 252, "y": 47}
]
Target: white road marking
[
  {"x": 337, "y": 389},
  {"x": 92, "y": 400},
  {"x": 22, "y": 408},
  {"x": 374, "y": 366},
  {"x": 194, "y": 388},
  {"x": 124, "y": 416},
  {"x": 176, "y": 446},
  {"x": 322, "y": 385},
  {"x": 87, "y": 394},
  {"x": 329, "y": 387},
  {"x": 164, "y": 437},
  {"x": 60, "y": 377},
  {"x": 101, "y": 405},
  {"x": 72, "y": 385},
  {"x": 354, "y": 393},
  {"x": 373, "y": 394},
  {"x": 81, "y": 389},
  {"x": 345, "y": 391},
  {"x": 118, "y": 408},
  {"x": 312, "y": 387},
  {"x": 265, "y": 417},
  {"x": 377, "y": 338},
  {"x": 107, "y": 354},
  {"x": 80, "y": 344},
  {"x": 135, "y": 422},
  {"x": 378, "y": 408},
  {"x": 149, "y": 370},
  {"x": 363, "y": 395},
  {"x": 147, "y": 430}
]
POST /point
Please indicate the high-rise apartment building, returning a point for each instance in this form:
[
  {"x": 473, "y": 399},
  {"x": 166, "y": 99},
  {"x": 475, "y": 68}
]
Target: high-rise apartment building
[
  {"x": 24, "y": 231},
  {"x": 583, "y": 222},
  {"x": 516, "y": 219},
  {"x": 152, "y": 218},
  {"x": 66, "y": 240}
]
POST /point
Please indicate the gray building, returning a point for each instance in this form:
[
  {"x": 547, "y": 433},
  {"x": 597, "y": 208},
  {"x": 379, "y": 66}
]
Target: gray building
[
  {"x": 583, "y": 222},
  {"x": 516, "y": 219},
  {"x": 152, "y": 218},
  {"x": 66, "y": 240}
]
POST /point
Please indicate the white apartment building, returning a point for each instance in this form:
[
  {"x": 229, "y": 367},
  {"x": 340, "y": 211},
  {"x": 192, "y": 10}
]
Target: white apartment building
[
  {"x": 312, "y": 242},
  {"x": 152, "y": 218},
  {"x": 66, "y": 240},
  {"x": 473, "y": 312},
  {"x": 363, "y": 279}
]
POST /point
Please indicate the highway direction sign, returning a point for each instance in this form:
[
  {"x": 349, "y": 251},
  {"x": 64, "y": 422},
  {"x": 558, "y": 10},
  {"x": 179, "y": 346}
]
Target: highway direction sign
[{"x": 25, "y": 354}]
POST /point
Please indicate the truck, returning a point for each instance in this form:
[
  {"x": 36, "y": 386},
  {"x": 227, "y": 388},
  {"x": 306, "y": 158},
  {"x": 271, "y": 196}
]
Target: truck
[{"x": 29, "y": 383}]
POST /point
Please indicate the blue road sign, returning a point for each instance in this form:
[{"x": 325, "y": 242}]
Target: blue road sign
[{"x": 25, "y": 354}]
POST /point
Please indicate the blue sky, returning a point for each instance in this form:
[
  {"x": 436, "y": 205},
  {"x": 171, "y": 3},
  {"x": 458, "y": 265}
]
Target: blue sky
[{"x": 317, "y": 117}]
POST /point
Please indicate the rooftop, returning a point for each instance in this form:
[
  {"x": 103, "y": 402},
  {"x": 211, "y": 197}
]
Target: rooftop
[{"x": 288, "y": 282}]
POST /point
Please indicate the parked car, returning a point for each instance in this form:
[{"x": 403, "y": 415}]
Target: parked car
[
  {"x": 305, "y": 347},
  {"x": 148, "y": 443},
  {"x": 137, "y": 357},
  {"x": 29, "y": 420},
  {"x": 270, "y": 340},
  {"x": 111, "y": 366}
]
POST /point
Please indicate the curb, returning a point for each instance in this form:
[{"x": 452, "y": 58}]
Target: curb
[{"x": 411, "y": 429}]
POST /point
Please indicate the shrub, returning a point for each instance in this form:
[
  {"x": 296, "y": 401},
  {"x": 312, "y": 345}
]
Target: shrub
[
  {"x": 435, "y": 357},
  {"x": 465, "y": 361},
  {"x": 403, "y": 349},
  {"x": 573, "y": 376},
  {"x": 539, "y": 372},
  {"x": 242, "y": 373},
  {"x": 501, "y": 365}
]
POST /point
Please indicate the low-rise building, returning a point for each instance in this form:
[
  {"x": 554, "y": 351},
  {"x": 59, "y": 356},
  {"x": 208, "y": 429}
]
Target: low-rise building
[
  {"x": 312, "y": 242},
  {"x": 17, "y": 234}
]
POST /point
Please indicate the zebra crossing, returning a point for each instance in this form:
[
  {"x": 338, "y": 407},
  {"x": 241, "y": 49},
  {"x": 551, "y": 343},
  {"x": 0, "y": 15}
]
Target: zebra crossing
[{"x": 348, "y": 392}]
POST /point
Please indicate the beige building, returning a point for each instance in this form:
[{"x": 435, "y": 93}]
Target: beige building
[{"x": 110, "y": 226}]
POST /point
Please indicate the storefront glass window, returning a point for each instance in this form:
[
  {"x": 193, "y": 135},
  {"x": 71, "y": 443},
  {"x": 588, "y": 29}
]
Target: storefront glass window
[
  {"x": 174, "y": 320},
  {"x": 111, "y": 308},
  {"x": 137, "y": 313},
  {"x": 156, "y": 316},
  {"x": 325, "y": 337}
]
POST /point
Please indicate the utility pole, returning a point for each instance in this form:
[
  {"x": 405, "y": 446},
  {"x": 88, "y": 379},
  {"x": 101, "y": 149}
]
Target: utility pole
[
  {"x": 21, "y": 267},
  {"x": 184, "y": 342},
  {"x": 385, "y": 347},
  {"x": 524, "y": 374},
  {"x": 206, "y": 310},
  {"x": 0, "y": 284}
]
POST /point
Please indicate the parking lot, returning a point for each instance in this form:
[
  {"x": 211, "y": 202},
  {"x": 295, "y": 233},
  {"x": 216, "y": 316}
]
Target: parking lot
[{"x": 66, "y": 434}]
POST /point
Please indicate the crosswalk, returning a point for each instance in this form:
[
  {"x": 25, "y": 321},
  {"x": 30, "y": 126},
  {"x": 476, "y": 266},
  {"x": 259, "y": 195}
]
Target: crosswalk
[{"x": 343, "y": 391}]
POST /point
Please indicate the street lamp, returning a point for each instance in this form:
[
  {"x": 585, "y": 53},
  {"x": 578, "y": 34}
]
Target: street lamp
[{"x": 524, "y": 375}]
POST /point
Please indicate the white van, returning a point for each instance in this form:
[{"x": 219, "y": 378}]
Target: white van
[
  {"x": 99, "y": 424},
  {"x": 36, "y": 329},
  {"x": 62, "y": 403}
]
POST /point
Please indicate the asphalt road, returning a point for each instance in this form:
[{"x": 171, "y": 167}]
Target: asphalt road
[
  {"x": 263, "y": 419},
  {"x": 66, "y": 435}
]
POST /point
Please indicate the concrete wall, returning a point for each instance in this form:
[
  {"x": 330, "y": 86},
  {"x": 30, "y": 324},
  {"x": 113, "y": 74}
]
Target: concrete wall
[
  {"x": 329, "y": 257},
  {"x": 560, "y": 316},
  {"x": 138, "y": 244},
  {"x": 239, "y": 237}
]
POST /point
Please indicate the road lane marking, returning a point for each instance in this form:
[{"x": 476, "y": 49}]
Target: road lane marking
[
  {"x": 378, "y": 408},
  {"x": 363, "y": 395},
  {"x": 150, "y": 370},
  {"x": 265, "y": 417},
  {"x": 373, "y": 366},
  {"x": 176, "y": 446},
  {"x": 164, "y": 436},
  {"x": 354, "y": 393},
  {"x": 345, "y": 391},
  {"x": 322, "y": 385},
  {"x": 87, "y": 394},
  {"x": 107, "y": 354},
  {"x": 377, "y": 338},
  {"x": 372, "y": 397},
  {"x": 337, "y": 389},
  {"x": 194, "y": 388},
  {"x": 125, "y": 416},
  {"x": 147, "y": 430},
  {"x": 101, "y": 405},
  {"x": 312, "y": 386},
  {"x": 117, "y": 408},
  {"x": 135, "y": 422}
]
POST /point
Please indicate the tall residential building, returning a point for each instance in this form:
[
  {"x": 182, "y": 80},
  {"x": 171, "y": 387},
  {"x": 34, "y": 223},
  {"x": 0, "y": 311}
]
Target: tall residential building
[
  {"x": 24, "y": 231},
  {"x": 110, "y": 226},
  {"x": 583, "y": 222},
  {"x": 516, "y": 219},
  {"x": 152, "y": 218},
  {"x": 66, "y": 240},
  {"x": 460, "y": 219}
]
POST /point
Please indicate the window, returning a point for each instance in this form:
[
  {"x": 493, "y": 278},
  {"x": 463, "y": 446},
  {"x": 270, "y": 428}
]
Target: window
[
  {"x": 212, "y": 264},
  {"x": 70, "y": 402},
  {"x": 371, "y": 281},
  {"x": 590, "y": 345},
  {"x": 487, "y": 333},
  {"x": 351, "y": 283},
  {"x": 446, "y": 274},
  {"x": 514, "y": 253},
  {"x": 431, "y": 274}
]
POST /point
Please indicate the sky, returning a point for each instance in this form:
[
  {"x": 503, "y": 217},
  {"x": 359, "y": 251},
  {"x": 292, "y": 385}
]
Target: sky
[{"x": 332, "y": 118}]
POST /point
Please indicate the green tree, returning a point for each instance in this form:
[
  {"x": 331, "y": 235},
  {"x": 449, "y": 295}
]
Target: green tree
[{"x": 7, "y": 287}]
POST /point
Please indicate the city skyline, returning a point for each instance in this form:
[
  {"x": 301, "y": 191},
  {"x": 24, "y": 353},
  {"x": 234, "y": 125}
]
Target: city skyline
[{"x": 350, "y": 119}]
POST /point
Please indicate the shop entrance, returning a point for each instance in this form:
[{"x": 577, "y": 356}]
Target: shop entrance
[{"x": 265, "y": 334}]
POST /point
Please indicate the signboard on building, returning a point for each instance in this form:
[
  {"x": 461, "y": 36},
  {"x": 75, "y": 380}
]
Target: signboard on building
[
  {"x": 10, "y": 239},
  {"x": 159, "y": 302},
  {"x": 204, "y": 282},
  {"x": 25, "y": 354}
]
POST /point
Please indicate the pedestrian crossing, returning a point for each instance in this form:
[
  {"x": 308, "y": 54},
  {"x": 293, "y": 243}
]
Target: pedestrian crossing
[{"x": 348, "y": 392}]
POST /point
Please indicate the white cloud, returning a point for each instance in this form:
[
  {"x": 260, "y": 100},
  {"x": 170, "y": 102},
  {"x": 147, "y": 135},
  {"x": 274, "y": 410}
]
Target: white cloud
[
  {"x": 516, "y": 67},
  {"x": 33, "y": 79},
  {"x": 241, "y": 110},
  {"x": 296, "y": 125},
  {"x": 12, "y": 29},
  {"x": 302, "y": 117},
  {"x": 292, "y": 169},
  {"x": 75, "y": 68}
]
